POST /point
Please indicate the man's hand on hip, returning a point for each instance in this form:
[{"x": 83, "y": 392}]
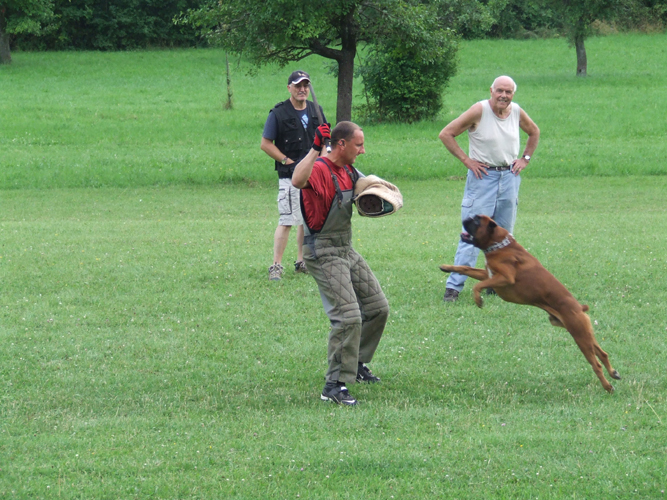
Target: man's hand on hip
[
  {"x": 477, "y": 168},
  {"x": 519, "y": 165}
]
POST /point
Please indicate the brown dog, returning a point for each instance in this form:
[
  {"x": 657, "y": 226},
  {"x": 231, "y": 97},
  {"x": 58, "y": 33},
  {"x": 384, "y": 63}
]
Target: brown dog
[{"x": 516, "y": 276}]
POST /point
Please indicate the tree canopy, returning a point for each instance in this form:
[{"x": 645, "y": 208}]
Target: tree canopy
[
  {"x": 113, "y": 25},
  {"x": 21, "y": 16},
  {"x": 576, "y": 17},
  {"x": 283, "y": 31}
]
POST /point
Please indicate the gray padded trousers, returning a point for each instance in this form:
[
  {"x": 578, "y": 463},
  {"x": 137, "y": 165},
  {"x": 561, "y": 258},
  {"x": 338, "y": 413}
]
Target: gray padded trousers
[{"x": 353, "y": 301}]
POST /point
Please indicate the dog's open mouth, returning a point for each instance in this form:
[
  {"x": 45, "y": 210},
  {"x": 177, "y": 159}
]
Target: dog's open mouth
[{"x": 466, "y": 238}]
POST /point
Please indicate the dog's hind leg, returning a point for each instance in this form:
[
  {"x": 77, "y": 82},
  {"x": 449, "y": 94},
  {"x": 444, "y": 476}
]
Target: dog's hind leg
[
  {"x": 582, "y": 332},
  {"x": 602, "y": 356},
  {"x": 588, "y": 350},
  {"x": 555, "y": 321},
  {"x": 605, "y": 361}
]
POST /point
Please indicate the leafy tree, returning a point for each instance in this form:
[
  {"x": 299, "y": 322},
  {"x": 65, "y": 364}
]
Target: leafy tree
[
  {"x": 524, "y": 19},
  {"x": 283, "y": 31},
  {"x": 576, "y": 17},
  {"x": 470, "y": 18},
  {"x": 545, "y": 18},
  {"x": 113, "y": 25},
  {"x": 21, "y": 16},
  {"x": 641, "y": 14},
  {"x": 406, "y": 73}
]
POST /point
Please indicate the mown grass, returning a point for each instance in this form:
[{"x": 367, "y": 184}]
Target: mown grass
[
  {"x": 157, "y": 118},
  {"x": 146, "y": 355}
]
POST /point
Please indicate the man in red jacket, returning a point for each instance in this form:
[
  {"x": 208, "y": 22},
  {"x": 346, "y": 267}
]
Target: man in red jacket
[{"x": 351, "y": 295}]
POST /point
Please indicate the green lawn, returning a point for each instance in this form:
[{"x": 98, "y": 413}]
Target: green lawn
[
  {"x": 145, "y": 354},
  {"x": 81, "y": 119}
]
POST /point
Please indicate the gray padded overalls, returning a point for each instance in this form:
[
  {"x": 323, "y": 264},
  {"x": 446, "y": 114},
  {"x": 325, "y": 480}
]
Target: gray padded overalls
[{"x": 351, "y": 295}]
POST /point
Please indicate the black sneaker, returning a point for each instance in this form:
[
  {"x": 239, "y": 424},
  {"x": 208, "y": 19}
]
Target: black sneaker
[
  {"x": 365, "y": 375},
  {"x": 451, "y": 295},
  {"x": 300, "y": 267},
  {"x": 338, "y": 394},
  {"x": 491, "y": 291}
]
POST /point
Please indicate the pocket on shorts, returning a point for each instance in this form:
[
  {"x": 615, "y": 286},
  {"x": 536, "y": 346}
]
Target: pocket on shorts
[
  {"x": 466, "y": 208},
  {"x": 284, "y": 205}
]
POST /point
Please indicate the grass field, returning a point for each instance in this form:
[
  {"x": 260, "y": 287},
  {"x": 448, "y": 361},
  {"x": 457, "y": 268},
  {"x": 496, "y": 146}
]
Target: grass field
[
  {"x": 157, "y": 118},
  {"x": 144, "y": 353}
]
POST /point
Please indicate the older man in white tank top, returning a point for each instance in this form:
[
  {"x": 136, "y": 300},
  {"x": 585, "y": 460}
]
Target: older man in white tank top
[{"x": 492, "y": 185}]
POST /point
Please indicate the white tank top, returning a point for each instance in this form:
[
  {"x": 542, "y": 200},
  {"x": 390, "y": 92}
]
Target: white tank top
[{"x": 495, "y": 141}]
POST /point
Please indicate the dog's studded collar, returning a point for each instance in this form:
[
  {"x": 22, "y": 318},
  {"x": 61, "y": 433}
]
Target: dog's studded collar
[{"x": 502, "y": 244}]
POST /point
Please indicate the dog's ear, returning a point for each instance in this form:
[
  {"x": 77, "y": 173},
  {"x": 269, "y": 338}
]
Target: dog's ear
[{"x": 492, "y": 225}]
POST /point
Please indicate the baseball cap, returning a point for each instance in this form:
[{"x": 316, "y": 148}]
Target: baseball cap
[{"x": 298, "y": 76}]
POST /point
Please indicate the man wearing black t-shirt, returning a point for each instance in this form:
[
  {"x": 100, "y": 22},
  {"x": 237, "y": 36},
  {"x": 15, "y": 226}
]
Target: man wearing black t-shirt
[{"x": 288, "y": 134}]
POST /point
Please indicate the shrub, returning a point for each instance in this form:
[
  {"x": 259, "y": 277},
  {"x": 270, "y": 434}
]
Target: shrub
[{"x": 404, "y": 79}]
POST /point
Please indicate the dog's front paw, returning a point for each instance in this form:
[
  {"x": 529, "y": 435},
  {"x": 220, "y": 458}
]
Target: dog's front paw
[
  {"x": 446, "y": 269},
  {"x": 478, "y": 299}
]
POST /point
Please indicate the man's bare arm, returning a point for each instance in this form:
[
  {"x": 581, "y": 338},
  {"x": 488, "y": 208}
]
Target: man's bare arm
[
  {"x": 467, "y": 121},
  {"x": 529, "y": 127},
  {"x": 272, "y": 150},
  {"x": 303, "y": 169}
]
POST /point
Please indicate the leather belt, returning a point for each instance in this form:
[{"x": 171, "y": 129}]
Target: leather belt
[{"x": 499, "y": 169}]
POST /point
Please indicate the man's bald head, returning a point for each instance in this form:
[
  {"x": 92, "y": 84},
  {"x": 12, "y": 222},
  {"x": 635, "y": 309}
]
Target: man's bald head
[{"x": 503, "y": 80}]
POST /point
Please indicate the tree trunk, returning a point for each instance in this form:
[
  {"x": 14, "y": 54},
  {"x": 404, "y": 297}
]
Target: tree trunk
[
  {"x": 345, "y": 79},
  {"x": 5, "y": 54},
  {"x": 229, "y": 104},
  {"x": 348, "y": 32},
  {"x": 582, "y": 62}
]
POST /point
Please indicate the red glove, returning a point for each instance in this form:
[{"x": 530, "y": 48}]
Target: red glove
[{"x": 323, "y": 132}]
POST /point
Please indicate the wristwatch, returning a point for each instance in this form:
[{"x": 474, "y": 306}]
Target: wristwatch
[
  {"x": 284, "y": 161},
  {"x": 526, "y": 157}
]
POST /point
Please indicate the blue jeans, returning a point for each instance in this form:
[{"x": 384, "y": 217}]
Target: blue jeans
[{"x": 495, "y": 195}]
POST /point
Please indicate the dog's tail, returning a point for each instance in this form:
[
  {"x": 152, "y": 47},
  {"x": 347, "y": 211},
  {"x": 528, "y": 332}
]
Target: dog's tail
[{"x": 584, "y": 307}]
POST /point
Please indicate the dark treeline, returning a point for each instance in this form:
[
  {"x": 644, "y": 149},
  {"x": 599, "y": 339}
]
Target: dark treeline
[
  {"x": 411, "y": 44},
  {"x": 132, "y": 24},
  {"x": 542, "y": 18},
  {"x": 113, "y": 25}
]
